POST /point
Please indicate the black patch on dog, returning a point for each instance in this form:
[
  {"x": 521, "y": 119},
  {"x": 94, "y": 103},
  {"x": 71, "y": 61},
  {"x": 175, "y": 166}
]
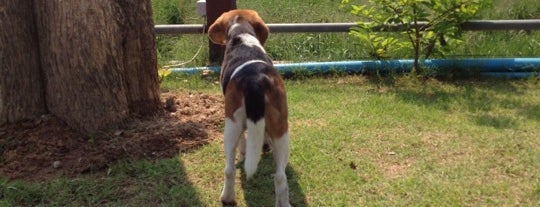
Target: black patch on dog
[
  {"x": 233, "y": 61},
  {"x": 236, "y": 41},
  {"x": 254, "y": 82}
]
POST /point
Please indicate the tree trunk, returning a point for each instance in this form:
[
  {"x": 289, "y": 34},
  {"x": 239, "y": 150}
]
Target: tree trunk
[
  {"x": 21, "y": 87},
  {"x": 214, "y": 9},
  {"x": 98, "y": 60}
]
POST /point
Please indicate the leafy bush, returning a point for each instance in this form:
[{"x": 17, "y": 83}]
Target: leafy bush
[{"x": 428, "y": 26}]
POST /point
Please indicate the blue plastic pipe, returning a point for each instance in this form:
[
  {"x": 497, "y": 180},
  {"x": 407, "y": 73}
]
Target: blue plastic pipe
[{"x": 500, "y": 67}]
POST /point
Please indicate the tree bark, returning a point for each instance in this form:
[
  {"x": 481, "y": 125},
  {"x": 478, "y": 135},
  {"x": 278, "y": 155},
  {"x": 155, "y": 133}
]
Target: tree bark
[
  {"x": 21, "y": 86},
  {"x": 97, "y": 60}
]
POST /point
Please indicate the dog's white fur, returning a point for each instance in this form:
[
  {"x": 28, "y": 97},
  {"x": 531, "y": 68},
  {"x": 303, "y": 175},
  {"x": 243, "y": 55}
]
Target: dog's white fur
[
  {"x": 239, "y": 68},
  {"x": 273, "y": 126}
]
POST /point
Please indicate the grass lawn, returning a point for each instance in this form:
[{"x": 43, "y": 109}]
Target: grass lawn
[{"x": 356, "y": 141}]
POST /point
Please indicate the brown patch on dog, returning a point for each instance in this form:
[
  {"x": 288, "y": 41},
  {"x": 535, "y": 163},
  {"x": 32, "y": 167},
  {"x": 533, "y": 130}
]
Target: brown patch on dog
[
  {"x": 276, "y": 114},
  {"x": 233, "y": 99}
]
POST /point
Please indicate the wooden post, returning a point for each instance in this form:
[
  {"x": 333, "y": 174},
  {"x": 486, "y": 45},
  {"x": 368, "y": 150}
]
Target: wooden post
[{"x": 214, "y": 8}]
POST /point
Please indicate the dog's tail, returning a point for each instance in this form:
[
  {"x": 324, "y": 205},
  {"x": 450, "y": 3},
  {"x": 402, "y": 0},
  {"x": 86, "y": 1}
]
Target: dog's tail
[{"x": 254, "y": 98}]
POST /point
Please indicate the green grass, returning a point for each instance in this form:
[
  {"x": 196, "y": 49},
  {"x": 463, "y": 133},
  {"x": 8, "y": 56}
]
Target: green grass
[
  {"x": 356, "y": 141},
  {"x": 302, "y": 47}
]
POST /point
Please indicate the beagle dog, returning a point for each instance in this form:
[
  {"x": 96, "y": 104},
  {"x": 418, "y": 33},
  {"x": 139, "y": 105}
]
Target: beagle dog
[{"x": 255, "y": 100}]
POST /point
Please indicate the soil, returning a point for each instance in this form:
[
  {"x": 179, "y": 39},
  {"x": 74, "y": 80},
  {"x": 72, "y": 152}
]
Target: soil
[{"x": 45, "y": 148}]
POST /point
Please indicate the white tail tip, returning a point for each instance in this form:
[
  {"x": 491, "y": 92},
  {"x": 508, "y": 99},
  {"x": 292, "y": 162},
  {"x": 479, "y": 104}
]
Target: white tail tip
[{"x": 254, "y": 143}]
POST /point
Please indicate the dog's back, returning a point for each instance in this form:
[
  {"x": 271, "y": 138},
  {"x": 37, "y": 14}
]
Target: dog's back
[
  {"x": 255, "y": 99},
  {"x": 242, "y": 48},
  {"x": 248, "y": 72}
]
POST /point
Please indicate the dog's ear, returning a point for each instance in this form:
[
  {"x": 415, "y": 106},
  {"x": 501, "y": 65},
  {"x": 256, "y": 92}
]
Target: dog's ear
[
  {"x": 261, "y": 30},
  {"x": 217, "y": 31}
]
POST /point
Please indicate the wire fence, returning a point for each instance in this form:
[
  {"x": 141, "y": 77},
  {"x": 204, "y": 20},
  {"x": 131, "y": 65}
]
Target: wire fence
[
  {"x": 476, "y": 25},
  {"x": 292, "y": 40},
  {"x": 301, "y": 42}
]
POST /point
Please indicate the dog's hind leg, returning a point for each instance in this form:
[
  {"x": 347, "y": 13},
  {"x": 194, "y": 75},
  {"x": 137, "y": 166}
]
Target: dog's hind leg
[
  {"x": 233, "y": 131},
  {"x": 241, "y": 148},
  {"x": 281, "y": 156}
]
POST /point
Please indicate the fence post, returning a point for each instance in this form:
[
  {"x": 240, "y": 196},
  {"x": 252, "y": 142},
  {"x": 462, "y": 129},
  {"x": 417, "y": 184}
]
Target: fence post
[{"x": 214, "y": 8}]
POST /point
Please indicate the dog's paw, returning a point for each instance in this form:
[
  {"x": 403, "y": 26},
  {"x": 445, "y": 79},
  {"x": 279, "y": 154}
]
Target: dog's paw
[
  {"x": 227, "y": 198},
  {"x": 228, "y": 203}
]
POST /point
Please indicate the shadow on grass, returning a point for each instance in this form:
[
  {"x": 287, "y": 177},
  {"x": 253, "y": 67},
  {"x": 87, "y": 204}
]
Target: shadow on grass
[
  {"x": 259, "y": 191},
  {"x": 133, "y": 171},
  {"x": 140, "y": 183},
  {"x": 166, "y": 184},
  {"x": 150, "y": 183},
  {"x": 479, "y": 97}
]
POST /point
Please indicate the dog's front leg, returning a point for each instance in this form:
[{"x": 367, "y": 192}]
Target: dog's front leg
[{"x": 232, "y": 133}]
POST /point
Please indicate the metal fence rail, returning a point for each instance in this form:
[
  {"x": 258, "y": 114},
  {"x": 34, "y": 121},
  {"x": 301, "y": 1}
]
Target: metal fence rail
[{"x": 475, "y": 25}]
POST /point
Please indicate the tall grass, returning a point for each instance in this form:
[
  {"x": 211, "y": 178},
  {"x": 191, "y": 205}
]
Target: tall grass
[
  {"x": 300, "y": 47},
  {"x": 179, "y": 48},
  {"x": 522, "y": 43}
]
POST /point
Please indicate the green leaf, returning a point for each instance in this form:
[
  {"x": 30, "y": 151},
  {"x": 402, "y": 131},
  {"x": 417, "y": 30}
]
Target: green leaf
[{"x": 443, "y": 17}]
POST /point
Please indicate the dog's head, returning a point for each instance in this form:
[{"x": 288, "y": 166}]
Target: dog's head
[{"x": 220, "y": 31}]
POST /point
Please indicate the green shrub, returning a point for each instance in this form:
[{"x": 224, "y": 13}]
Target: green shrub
[{"x": 440, "y": 32}]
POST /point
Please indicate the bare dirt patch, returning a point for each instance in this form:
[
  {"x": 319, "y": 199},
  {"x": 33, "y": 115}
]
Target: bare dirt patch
[
  {"x": 45, "y": 148},
  {"x": 393, "y": 166}
]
